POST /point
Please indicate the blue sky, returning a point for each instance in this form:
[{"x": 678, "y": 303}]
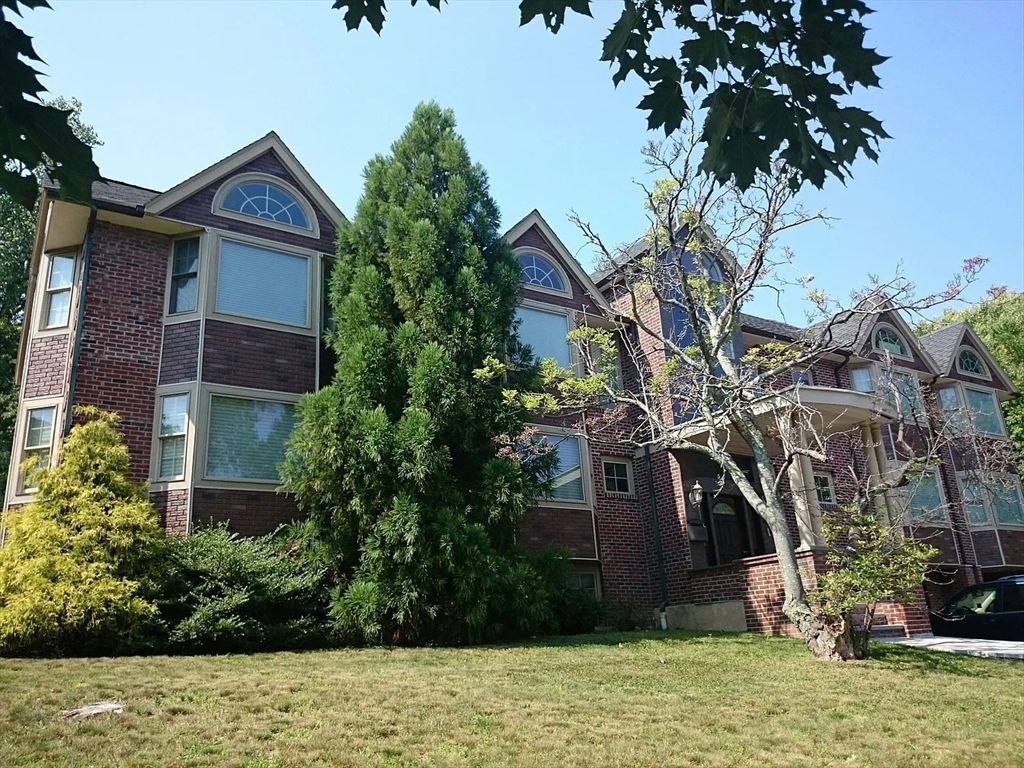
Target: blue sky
[{"x": 172, "y": 87}]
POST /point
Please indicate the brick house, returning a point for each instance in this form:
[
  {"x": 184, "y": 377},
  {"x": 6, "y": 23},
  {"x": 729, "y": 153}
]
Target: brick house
[{"x": 197, "y": 315}]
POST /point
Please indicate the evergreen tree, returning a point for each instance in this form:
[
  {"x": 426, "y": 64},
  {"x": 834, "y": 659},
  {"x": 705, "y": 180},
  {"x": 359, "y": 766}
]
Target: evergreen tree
[
  {"x": 77, "y": 563},
  {"x": 410, "y": 461}
]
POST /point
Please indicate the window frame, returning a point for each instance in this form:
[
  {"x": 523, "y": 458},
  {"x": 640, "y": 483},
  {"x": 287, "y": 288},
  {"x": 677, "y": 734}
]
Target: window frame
[
  {"x": 586, "y": 568},
  {"x": 15, "y": 491},
  {"x": 586, "y": 469},
  {"x": 831, "y": 489},
  {"x": 621, "y": 461},
  {"x": 44, "y": 292},
  {"x": 992, "y": 521},
  {"x": 312, "y": 287},
  {"x": 986, "y": 376},
  {"x": 206, "y": 394},
  {"x": 915, "y": 522},
  {"x": 159, "y": 439},
  {"x": 872, "y": 378},
  {"x": 888, "y": 326},
  {"x": 574, "y": 361},
  {"x": 797, "y": 375},
  {"x": 203, "y": 258},
  {"x": 217, "y": 207},
  {"x": 554, "y": 263},
  {"x": 970, "y": 412}
]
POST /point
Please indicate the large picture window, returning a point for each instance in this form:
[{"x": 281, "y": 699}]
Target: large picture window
[
  {"x": 546, "y": 333},
  {"x": 984, "y": 410},
  {"x": 262, "y": 283},
  {"x": 247, "y": 438}
]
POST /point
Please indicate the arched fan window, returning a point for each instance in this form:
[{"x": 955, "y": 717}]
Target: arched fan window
[
  {"x": 970, "y": 363},
  {"x": 887, "y": 340},
  {"x": 265, "y": 199},
  {"x": 541, "y": 271}
]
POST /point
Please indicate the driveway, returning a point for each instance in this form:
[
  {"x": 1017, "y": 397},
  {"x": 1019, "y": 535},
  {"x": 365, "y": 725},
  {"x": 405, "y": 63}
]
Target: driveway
[{"x": 996, "y": 649}]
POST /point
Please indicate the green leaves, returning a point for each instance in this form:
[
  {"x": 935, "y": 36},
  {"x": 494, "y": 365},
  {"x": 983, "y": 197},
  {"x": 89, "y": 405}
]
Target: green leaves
[
  {"x": 371, "y": 11},
  {"x": 35, "y": 135},
  {"x": 551, "y": 11}
]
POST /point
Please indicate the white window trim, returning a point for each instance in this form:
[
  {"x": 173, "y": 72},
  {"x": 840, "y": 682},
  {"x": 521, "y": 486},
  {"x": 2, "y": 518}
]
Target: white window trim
[
  {"x": 156, "y": 483},
  {"x": 206, "y": 393},
  {"x": 42, "y": 304},
  {"x": 993, "y": 522},
  {"x": 179, "y": 317},
  {"x": 558, "y": 268},
  {"x": 574, "y": 359},
  {"x": 242, "y": 178},
  {"x": 586, "y": 470},
  {"x": 312, "y": 287},
  {"x": 879, "y": 350},
  {"x": 15, "y": 495},
  {"x": 946, "y": 522},
  {"x": 986, "y": 376},
  {"x": 831, "y": 489},
  {"x": 995, "y": 398},
  {"x": 628, "y": 462}
]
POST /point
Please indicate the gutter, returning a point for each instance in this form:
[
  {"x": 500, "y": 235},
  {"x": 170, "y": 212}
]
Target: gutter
[
  {"x": 657, "y": 538},
  {"x": 77, "y": 351}
]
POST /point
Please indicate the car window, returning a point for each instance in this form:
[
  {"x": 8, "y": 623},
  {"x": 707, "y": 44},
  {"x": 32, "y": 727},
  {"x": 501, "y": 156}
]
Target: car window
[
  {"x": 1013, "y": 597},
  {"x": 979, "y": 601}
]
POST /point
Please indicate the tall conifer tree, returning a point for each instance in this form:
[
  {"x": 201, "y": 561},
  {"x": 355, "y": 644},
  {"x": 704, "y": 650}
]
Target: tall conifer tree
[{"x": 409, "y": 461}]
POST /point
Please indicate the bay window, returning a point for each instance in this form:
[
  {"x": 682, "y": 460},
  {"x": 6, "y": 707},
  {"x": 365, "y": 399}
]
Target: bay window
[
  {"x": 264, "y": 284},
  {"x": 184, "y": 277},
  {"x": 247, "y": 438}
]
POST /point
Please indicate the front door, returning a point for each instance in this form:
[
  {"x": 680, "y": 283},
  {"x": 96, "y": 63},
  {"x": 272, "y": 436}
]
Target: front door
[{"x": 730, "y": 534}]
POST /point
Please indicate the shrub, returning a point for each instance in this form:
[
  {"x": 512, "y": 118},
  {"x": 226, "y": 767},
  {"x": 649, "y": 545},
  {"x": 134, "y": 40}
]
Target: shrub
[
  {"x": 224, "y": 593},
  {"x": 77, "y": 563}
]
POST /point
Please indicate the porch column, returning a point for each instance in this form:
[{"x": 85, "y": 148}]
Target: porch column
[
  {"x": 868, "y": 434},
  {"x": 805, "y": 501}
]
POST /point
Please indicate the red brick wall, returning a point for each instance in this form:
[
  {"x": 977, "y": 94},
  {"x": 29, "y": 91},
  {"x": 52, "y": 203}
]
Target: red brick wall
[
  {"x": 47, "y": 366},
  {"x": 248, "y": 356},
  {"x": 1012, "y": 541},
  {"x": 122, "y": 332},
  {"x": 569, "y": 528},
  {"x": 172, "y": 510},
  {"x": 986, "y": 545},
  {"x": 250, "y": 513},
  {"x": 198, "y": 210},
  {"x": 180, "y": 356}
]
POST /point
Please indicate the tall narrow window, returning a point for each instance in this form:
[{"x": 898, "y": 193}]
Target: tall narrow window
[
  {"x": 58, "y": 291},
  {"x": 173, "y": 422},
  {"x": 974, "y": 503},
  {"x": 924, "y": 503},
  {"x": 263, "y": 283},
  {"x": 38, "y": 442},
  {"x": 184, "y": 276}
]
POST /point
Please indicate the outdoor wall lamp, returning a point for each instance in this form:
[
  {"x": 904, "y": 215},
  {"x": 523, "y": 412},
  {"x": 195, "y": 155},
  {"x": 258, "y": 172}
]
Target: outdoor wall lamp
[{"x": 696, "y": 494}]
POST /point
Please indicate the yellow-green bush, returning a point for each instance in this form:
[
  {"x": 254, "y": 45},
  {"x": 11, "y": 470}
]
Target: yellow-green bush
[{"x": 76, "y": 563}]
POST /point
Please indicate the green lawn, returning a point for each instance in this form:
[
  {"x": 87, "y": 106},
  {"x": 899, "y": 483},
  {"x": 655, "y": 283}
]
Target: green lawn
[{"x": 638, "y": 699}]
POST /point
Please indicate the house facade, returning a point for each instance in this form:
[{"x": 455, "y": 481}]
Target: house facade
[{"x": 197, "y": 314}]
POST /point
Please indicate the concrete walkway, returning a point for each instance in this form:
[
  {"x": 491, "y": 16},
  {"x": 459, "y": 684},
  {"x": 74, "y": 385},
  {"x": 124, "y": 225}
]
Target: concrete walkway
[{"x": 995, "y": 649}]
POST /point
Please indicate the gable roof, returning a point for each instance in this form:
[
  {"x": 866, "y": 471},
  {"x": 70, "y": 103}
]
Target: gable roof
[
  {"x": 269, "y": 143},
  {"x": 534, "y": 219},
  {"x": 945, "y": 342},
  {"x": 111, "y": 192}
]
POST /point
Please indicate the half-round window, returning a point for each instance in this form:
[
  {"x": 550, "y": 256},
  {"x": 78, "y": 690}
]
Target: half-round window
[
  {"x": 538, "y": 270},
  {"x": 713, "y": 271},
  {"x": 266, "y": 200},
  {"x": 968, "y": 362},
  {"x": 887, "y": 340}
]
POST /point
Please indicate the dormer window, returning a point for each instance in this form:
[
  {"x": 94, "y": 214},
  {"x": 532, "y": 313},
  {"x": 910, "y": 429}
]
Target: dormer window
[
  {"x": 541, "y": 272},
  {"x": 887, "y": 340},
  {"x": 268, "y": 199},
  {"x": 970, "y": 363}
]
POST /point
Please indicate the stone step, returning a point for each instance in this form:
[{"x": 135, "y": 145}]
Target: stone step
[{"x": 888, "y": 630}]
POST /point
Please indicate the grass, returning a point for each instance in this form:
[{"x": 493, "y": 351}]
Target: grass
[{"x": 637, "y": 699}]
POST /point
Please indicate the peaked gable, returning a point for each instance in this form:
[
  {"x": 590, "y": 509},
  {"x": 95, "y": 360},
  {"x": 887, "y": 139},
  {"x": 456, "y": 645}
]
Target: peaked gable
[
  {"x": 946, "y": 344},
  {"x": 532, "y": 231}
]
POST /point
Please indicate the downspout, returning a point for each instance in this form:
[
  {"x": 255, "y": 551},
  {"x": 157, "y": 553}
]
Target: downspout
[
  {"x": 80, "y": 320},
  {"x": 657, "y": 539}
]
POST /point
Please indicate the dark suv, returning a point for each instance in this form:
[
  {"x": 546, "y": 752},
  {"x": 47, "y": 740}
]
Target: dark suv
[{"x": 993, "y": 611}]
